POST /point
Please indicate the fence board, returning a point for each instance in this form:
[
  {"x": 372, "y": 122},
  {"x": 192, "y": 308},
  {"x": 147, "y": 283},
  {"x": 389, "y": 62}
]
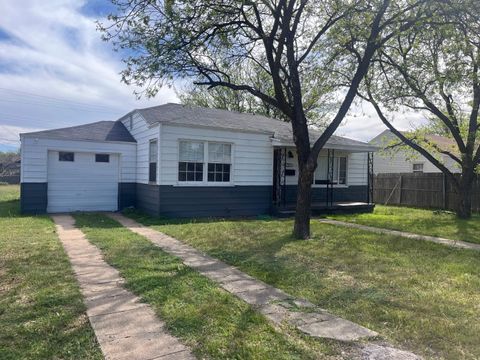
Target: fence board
[{"x": 423, "y": 190}]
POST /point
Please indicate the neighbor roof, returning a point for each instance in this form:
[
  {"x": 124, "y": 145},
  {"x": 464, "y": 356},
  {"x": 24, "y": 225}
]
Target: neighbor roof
[
  {"x": 187, "y": 115},
  {"x": 441, "y": 142},
  {"x": 97, "y": 131}
]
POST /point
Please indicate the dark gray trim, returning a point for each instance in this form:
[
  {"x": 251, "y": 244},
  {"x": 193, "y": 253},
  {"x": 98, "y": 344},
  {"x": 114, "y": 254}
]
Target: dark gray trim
[
  {"x": 127, "y": 195},
  {"x": 148, "y": 198},
  {"x": 351, "y": 193},
  {"x": 214, "y": 201},
  {"x": 33, "y": 198}
]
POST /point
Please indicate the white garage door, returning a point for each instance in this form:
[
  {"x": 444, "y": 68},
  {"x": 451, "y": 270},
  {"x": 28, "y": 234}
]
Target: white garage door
[{"x": 79, "y": 181}]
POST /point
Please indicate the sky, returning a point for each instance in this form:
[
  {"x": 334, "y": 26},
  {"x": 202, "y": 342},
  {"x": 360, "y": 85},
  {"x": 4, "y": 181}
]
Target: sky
[{"x": 55, "y": 71}]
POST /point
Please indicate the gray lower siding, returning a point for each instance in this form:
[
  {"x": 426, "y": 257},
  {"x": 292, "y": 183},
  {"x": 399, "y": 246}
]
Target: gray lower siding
[
  {"x": 148, "y": 199},
  {"x": 357, "y": 193},
  {"x": 33, "y": 198},
  {"x": 127, "y": 195},
  {"x": 195, "y": 201}
]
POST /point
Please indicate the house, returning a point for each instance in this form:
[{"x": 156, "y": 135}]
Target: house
[
  {"x": 409, "y": 161},
  {"x": 180, "y": 161}
]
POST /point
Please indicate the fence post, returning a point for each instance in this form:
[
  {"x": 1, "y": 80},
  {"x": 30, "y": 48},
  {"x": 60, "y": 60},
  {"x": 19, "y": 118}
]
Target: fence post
[
  {"x": 444, "y": 191},
  {"x": 400, "y": 190}
]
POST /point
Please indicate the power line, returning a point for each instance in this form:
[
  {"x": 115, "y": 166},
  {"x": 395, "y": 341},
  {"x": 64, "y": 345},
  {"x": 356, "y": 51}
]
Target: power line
[
  {"x": 59, "y": 105},
  {"x": 56, "y": 99}
]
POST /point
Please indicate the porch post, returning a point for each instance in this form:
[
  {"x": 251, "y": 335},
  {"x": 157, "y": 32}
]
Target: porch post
[{"x": 370, "y": 177}]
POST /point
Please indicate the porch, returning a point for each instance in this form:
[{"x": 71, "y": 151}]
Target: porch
[
  {"x": 343, "y": 181},
  {"x": 323, "y": 208}
]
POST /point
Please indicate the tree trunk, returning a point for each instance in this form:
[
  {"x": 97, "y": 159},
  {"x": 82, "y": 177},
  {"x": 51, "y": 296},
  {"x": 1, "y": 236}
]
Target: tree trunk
[
  {"x": 464, "y": 191},
  {"x": 301, "y": 229}
]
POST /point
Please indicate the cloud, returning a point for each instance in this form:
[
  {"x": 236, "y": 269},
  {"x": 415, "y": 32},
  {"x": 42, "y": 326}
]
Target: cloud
[{"x": 55, "y": 70}]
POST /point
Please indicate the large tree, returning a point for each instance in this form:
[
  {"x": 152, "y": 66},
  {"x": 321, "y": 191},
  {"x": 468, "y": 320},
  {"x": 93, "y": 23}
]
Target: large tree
[
  {"x": 285, "y": 40},
  {"x": 434, "y": 69}
]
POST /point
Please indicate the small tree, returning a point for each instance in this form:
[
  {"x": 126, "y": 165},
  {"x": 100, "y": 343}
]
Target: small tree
[
  {"x": 288, "y": 41},
  {"x": 434, "y": 69}
]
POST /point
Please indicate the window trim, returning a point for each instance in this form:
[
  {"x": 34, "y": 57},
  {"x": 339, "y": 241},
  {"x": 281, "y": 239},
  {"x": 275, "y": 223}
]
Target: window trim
[
  {"x": 418, "y": 171},
  {"x": 205, "y": 181},
  {"x": 66, "y": 152},
  {"x": 155, "y": 181}
]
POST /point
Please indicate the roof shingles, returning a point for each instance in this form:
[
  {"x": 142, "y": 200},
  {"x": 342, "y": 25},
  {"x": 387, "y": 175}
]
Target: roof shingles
[{"x": 97, "y": 131}]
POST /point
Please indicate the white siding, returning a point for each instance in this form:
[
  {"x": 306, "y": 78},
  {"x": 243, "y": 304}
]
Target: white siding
[
  {"x": 143, "y": 134},
  {"x": 401, "y": 163},
  {"x": 252, "y": 153},
  {"x": 35, "y": 156},
  {"x": 356, "y": 168}
]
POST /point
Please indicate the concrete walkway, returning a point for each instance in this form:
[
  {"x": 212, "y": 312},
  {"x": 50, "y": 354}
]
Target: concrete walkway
[
  {"x": 125, "y": 327},
  {"x": 438, "y": 240},
  {"x": 276, "y": 305}
]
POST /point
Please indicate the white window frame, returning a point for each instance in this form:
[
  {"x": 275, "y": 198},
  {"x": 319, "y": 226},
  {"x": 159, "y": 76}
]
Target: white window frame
[
  {"x": 205, "y": 181},
  {"x": 418, "y": 171},
  {"x": 335, "y": 184}
]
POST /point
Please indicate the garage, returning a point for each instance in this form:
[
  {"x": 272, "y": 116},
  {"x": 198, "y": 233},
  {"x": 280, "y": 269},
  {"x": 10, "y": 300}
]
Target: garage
[{"x": 82, "y": 181}]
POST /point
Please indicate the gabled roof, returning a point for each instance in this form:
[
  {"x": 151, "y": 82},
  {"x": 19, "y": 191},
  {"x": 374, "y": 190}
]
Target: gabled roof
[
  {"x": 441, "y": 142},
  {"x": 177, "y": 114},
  {"x": 97, "y": 131}
]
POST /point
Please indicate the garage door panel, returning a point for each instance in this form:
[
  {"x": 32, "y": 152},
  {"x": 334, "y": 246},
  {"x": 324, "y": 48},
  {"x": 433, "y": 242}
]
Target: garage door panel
[{"x": 82, "y": 185}]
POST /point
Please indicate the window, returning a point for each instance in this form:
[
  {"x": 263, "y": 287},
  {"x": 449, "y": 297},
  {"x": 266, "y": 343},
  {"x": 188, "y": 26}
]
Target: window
[
  {"x": 130, "y": 122},
  {"x": 190, "y": 164},
  {"x": 219, "y": 161},
  {"x": 152, "y": 160},
  {"x": 104, "y": 158},
  {"x": 418, "y": 168},
  {"x": 66, "y": 156},
  {"x": 200, "y": 161},
  {"x": 339, "y": 171}
]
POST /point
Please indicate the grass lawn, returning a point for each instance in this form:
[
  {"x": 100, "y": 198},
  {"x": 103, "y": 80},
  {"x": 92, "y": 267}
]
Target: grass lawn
[
  {"x": 42, "y": 315},
  {"x": 419, "y": 221},
  {"x": 214, "y": 323},
  {"x": 422, "y": 296}
]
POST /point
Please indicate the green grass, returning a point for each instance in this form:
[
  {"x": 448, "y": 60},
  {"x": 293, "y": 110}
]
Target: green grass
[
  {"x": 42, "y": 315},
  {"x": 422, "y": 296},
  {"x": 419, "y": 221},
  {"x": 214, "y": 323}
]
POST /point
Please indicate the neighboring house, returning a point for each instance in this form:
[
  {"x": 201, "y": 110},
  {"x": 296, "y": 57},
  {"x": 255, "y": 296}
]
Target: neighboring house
[
  {"x": 402, "y": 161},
  {"x": 180, "y": 161}
]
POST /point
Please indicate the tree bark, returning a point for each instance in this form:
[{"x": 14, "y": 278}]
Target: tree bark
[
  {"x": 301, "y": 229},
  {"x": 464, "y": 191}
]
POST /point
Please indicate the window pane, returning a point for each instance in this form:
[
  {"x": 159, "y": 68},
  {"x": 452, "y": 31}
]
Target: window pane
[
  {"x": 211, "y": 176},
  {"x": 219, "y": 153},
  {"x": 153, "y": 151},
  {"x": 321, "y": 170},
  {"x": 66, "y": 156},
  {"x": 191, "y": 151},
  {"x": 342, "y": 176},
  {"x": 102, "y": 158},
  {"x": 190, "y": 171},
  {"x": 152, "y": 172}
]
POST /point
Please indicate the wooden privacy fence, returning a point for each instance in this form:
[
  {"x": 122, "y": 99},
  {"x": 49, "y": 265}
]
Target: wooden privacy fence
[
  {"x": 423, "y": 190},
  {"x": 10, "y": 179}
]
